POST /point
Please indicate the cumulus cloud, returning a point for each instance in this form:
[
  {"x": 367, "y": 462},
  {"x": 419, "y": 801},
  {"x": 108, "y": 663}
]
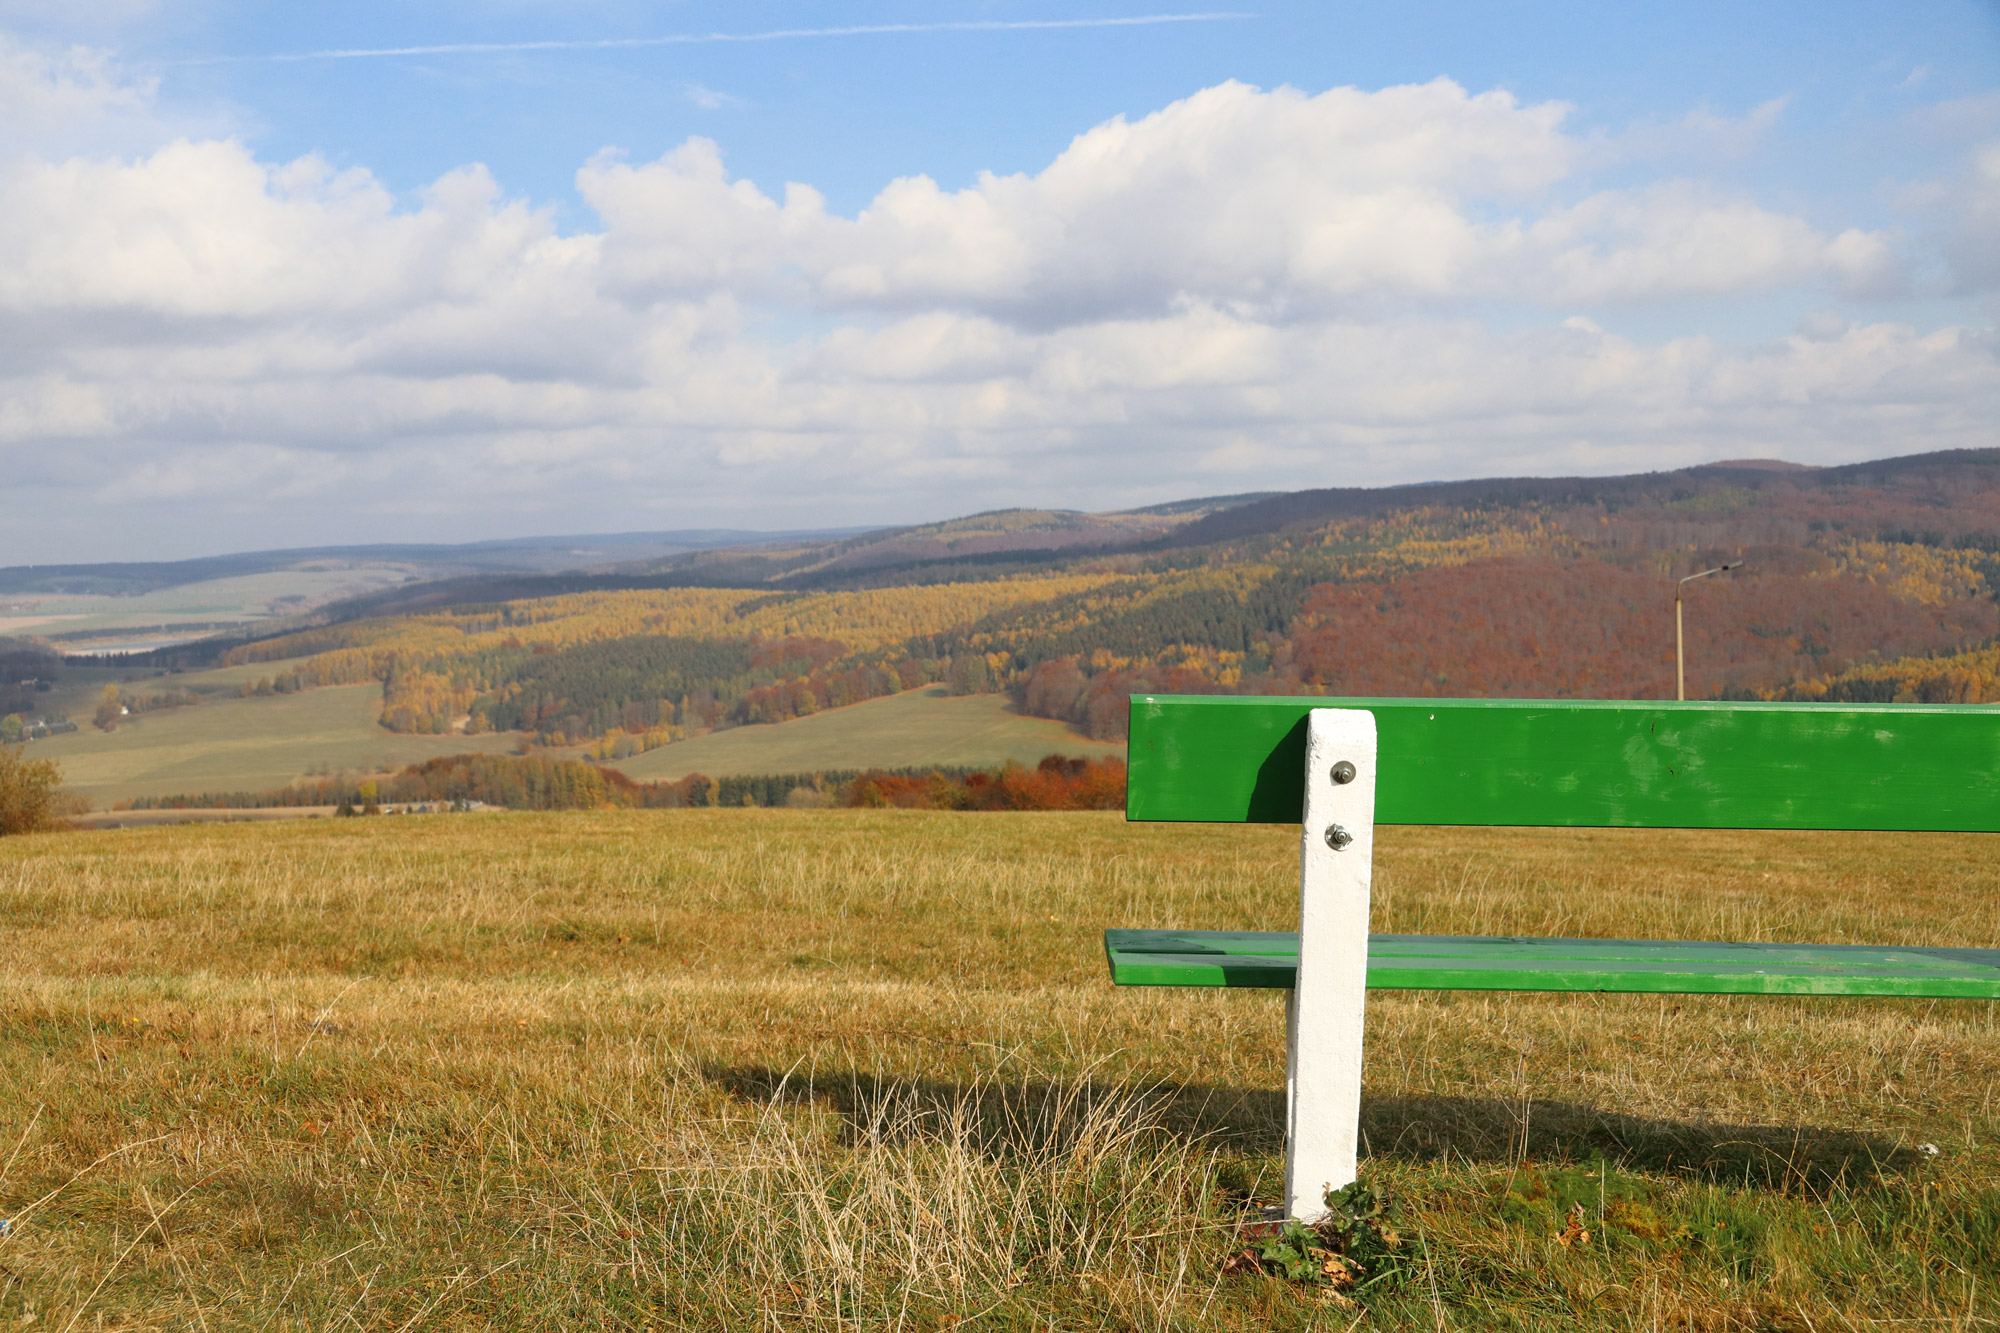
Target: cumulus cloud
[
  {"x": 1245, "y": 288},
  {"x": 204, "y": 230},
  {"x": 1277, "y": 202}
]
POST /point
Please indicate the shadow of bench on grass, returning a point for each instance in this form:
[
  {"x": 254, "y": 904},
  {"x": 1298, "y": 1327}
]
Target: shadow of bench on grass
[
  {"x": 1006, "y": 1119},
  {"x": 1488, "y": 1129}
]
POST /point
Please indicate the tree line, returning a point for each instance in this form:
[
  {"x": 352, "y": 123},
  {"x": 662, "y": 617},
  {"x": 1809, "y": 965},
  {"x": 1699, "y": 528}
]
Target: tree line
[{"x": 536, "y": 782}]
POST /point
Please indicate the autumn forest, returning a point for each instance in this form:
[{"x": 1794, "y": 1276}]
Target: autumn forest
[{"x": 1874, "y": 582}]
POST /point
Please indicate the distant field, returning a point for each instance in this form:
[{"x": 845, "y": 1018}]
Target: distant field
[
  {"x": 907, "y": 730},
  {"x": 240, "y": 599},
  {"x": 77, "y": 691},
  {"x": 235, "y": 744},
  {"x": 795, "y": 1070},
  {"x": 229, "y": 743}
]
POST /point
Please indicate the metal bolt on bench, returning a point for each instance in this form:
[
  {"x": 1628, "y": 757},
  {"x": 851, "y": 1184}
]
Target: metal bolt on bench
[{"x": 1340, "y": 770}]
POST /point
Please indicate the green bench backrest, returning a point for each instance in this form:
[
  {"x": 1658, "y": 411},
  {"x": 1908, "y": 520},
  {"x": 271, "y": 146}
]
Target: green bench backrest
[{"x": 1600, "y": 764}]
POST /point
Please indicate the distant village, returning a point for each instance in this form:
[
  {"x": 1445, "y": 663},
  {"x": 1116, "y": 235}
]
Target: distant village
[{"x": 18, "y": 727}]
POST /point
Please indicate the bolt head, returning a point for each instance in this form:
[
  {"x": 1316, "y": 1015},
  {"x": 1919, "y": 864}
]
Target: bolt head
[
  {"x": 1338, "y": 837},
  {"x": 1343, "y": 773}
]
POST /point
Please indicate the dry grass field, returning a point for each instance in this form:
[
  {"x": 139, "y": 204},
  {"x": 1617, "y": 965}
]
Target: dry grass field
[{"x": 862, "y": 1069}]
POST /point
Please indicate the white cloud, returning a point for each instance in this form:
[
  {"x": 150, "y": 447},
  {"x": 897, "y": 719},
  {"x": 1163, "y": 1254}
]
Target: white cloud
[
  {"x": 1676, "y": 240},
  {"x": 58, "y": 102},
  {"x": 1244, "y": 289},
  {"x": 1703, "y": 134},
  {"x": 708, "y": 99},
  {"x": 97, "y": 13},
  {"x": 1970, "y": 220},
  {"x": 204, "y": 230},
  {"x": 1270, "y": 201},
  {"x": 47, "y": 94}
]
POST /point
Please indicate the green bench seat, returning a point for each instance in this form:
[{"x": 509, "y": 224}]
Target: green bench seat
[
  {"x": 1270, "y": 959},
  {"x": 1341, "y": 767}
]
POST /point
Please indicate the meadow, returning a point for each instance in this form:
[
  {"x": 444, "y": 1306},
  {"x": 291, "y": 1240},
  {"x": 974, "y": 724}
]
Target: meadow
[
  {"x": 227, "y": 743},
  {"x": 862, "y": 1069},
  {"x": 914, "y": 729},
  {"x": 231, "y": 743}
]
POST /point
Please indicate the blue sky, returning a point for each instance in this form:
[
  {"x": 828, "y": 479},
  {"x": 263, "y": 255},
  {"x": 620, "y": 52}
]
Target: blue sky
[
  {"x": 850, "y": 112},
  {"x": 474, "y": 292}
]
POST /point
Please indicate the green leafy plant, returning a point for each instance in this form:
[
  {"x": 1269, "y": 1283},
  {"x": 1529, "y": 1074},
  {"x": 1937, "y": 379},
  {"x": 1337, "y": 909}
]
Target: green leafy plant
[{"x": 1354, "y": 1248}]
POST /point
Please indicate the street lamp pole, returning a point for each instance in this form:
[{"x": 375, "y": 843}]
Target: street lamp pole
[{"x": 1680, "y": 651}]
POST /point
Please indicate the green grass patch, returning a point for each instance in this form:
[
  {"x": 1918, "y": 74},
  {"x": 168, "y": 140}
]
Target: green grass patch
[{"x": 227, "y": 743}]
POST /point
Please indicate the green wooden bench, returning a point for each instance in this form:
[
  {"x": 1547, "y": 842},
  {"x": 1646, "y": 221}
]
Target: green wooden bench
[{"x": 1342, "y": 767}]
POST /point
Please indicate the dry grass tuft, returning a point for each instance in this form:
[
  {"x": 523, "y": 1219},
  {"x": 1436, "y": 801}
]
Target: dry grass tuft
[{"x": 741, "y": 1069}]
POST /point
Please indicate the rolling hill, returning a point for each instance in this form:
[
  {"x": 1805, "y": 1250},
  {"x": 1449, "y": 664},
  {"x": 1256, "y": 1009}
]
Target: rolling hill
[{"x": 1871, "y": 581}]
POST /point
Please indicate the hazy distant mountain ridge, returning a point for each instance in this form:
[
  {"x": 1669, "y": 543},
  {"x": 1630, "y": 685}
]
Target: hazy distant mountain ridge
[{"x": 506, "y": 555}]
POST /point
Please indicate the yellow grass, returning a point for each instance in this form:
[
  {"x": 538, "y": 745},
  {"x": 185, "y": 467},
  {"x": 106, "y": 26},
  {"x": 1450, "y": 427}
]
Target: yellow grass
[{"x": 743, "y": 1069}]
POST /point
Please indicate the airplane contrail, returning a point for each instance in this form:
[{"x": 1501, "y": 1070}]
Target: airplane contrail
[{"x": 775, "y": 35}]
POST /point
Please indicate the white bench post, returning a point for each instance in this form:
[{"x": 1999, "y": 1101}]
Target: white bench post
[{"x": 1323, "y": 1068}]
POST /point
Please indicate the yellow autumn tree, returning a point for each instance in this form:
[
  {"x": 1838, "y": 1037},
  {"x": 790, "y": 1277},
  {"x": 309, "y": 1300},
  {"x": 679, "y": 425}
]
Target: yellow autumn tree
[{"x": 31, "y": 795}]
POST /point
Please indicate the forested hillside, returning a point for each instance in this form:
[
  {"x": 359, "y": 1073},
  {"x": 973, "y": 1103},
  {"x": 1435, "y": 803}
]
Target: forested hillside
[{"x": 1875, "y": 581}]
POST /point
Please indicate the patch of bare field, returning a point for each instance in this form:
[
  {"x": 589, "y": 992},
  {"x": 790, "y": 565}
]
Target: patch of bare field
[{"x": 742, "y": 1069}]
